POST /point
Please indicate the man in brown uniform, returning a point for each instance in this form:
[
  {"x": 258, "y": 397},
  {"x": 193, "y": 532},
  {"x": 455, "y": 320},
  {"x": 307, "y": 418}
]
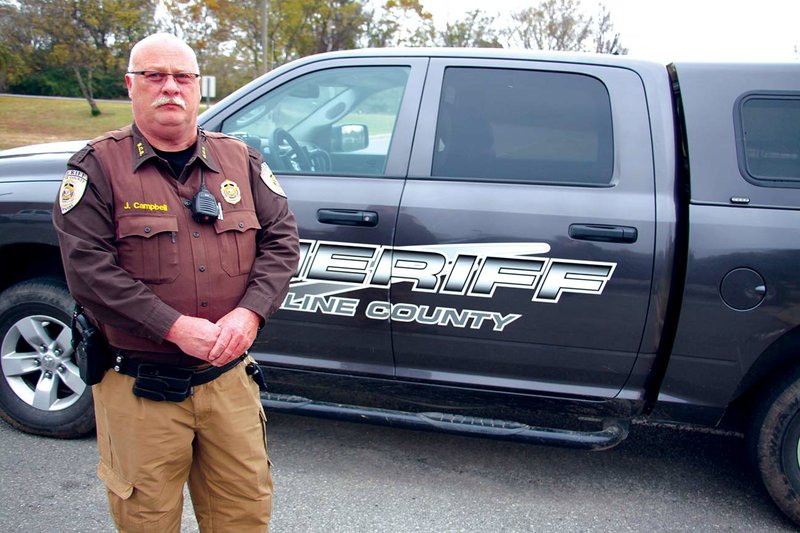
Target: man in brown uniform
[{"x": 174, "y": 286}]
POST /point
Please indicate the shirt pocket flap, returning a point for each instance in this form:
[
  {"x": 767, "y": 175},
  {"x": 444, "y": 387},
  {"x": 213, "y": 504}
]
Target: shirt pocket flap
[
  {"x": 237, "y": 221},
  {"x": 145, "y": 225},
  {"x": 114, "y": 481}
]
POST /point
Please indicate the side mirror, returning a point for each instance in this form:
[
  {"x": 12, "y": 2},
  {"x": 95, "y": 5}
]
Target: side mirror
[{"x": 349, "y": 137}]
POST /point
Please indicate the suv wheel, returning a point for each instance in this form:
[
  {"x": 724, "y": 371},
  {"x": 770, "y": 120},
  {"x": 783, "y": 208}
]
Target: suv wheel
[{"x": 41, "y": 391}]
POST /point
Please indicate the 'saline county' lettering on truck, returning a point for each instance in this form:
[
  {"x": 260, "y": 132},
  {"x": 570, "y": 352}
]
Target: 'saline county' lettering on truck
[{"x": 327, "y": 269}]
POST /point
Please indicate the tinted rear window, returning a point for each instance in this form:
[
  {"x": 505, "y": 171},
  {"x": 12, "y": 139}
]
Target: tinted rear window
[{"x": 770, "y": 138}]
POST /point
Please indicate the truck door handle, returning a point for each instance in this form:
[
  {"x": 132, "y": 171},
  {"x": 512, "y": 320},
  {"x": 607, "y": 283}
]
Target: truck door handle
[
  {"x": 602, "y": 233},
  {"x": 347, "y": 217}
]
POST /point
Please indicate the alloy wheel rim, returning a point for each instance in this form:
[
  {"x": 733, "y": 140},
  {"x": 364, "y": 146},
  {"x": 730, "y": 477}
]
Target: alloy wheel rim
[{"x": 37, "y": 363}]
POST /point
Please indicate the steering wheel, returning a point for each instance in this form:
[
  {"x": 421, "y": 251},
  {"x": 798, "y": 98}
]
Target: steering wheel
[{"x": 295, "y": 158}]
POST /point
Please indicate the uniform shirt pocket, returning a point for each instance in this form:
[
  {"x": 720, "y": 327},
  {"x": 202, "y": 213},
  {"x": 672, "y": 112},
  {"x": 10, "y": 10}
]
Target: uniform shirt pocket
[
  {"x": 147, "y": 247},
  {"x": 237, "y": 241}
]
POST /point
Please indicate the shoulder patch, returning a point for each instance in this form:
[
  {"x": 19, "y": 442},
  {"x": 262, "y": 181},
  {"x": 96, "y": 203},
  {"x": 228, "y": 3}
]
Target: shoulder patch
[
  {"x": 73, "y": 185},
  {"x": 271, "y": 181}
]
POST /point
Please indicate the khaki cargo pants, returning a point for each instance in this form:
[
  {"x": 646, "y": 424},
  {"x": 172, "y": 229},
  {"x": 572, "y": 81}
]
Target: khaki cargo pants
[{"x": 216, "y": 439}]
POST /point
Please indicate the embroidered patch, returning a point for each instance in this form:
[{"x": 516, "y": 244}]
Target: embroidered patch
[
  {"x": 73, "y": 185},
  {"x": 146, "y": 207},
  {"x": 230, "y": 192},
  {"x": 271, "y": 181}
]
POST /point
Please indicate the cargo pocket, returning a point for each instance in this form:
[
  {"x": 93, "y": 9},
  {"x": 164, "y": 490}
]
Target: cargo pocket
[
  {"x": 237, "y": 237},
  {"x": 147, "y": 247},
  {"x": 114, "y": 481}
]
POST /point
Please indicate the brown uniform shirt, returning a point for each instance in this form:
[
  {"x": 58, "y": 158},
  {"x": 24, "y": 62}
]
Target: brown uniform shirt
[{"x": 136, "y": 259}]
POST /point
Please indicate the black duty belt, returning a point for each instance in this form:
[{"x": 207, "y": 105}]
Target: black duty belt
[{"x": 166, "y": 382}]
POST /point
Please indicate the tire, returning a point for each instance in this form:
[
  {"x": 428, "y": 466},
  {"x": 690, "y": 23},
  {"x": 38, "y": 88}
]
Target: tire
[
  {"x": 775, "y": 445},
  {"x": 41, "y": 391}
]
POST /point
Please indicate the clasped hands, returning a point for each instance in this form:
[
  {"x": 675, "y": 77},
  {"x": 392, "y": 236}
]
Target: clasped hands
[{"x": 217, "y": 343}]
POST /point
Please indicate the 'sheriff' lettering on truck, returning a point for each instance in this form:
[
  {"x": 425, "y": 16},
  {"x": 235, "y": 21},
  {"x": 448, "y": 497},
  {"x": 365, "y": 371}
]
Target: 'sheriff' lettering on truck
[{"x": 328, "y": 269}]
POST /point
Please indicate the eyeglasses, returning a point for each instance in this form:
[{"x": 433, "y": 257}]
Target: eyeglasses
[{"x": 156, "y": 77}]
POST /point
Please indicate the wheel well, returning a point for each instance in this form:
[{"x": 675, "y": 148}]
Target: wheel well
[
  {"x": 27, "y": 261},
  {"x": 772, "y": 366}
]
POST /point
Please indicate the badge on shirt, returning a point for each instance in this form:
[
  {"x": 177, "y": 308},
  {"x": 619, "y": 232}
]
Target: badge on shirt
[
  {"x": 230, "y": 192},
  {"x": 271, "y": 181},
  {"x": 73, "y": 185}
]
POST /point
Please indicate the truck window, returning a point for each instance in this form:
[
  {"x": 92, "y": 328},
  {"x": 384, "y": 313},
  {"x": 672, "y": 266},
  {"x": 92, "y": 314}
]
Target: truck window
[
  {"x": 334, "y": 122},
  {"x": 524, "y": 125},
  {"x": 770, "y": 139}
]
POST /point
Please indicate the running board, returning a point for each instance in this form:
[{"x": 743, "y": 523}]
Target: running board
[{"x": 613, "y": 432}]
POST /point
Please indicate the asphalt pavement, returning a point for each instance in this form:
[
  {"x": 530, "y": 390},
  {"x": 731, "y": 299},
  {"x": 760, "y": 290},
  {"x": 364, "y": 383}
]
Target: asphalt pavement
[{"x": 343, "y": 477}]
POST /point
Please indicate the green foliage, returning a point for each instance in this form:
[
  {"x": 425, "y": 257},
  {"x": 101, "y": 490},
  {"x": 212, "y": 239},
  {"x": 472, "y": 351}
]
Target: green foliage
[
  {"x": 60, "y": 81},
  {"x": 81, "y": 47},
  {"x": 82, "y": 41},
  {"x": 564, "y": 25},
  {"x": 474, "y": 30},
  {"x": 307, "y": 27},
  {"x": 553, "y": 25},
  {"x": 14, "y": 44},
  {"x": 398, "y": 23}
]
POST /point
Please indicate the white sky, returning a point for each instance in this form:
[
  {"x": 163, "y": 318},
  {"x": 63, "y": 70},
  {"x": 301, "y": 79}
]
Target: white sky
[{"x": 673, "y": 30}]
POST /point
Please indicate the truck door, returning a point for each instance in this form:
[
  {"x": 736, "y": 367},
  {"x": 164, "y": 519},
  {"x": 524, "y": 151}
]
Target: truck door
[
  {"x": 337, "y": 134},
  {"x": 524, "y": 248}
]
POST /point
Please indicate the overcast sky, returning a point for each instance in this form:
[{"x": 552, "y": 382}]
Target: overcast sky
[{"x": 672, "y": 30}]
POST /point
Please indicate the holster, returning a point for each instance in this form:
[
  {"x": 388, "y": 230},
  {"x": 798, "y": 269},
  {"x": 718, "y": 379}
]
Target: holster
[
  {"x": 92, "y": 352},
  {"x": 254, "y": 371}
]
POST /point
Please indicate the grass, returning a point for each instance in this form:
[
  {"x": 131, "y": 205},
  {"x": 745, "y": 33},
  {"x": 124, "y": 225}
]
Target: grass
[
  {"x": 377, "y": 123},
  {"x": 28, "y": 120},
  {"x": 25, "y": 120}
]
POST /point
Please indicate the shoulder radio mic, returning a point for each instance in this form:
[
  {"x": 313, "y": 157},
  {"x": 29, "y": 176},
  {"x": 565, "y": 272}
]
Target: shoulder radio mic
[{"x": 204, "y": 205}]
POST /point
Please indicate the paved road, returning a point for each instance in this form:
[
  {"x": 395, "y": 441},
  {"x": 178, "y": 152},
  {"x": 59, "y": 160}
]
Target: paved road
[{"x": 344, "y": 477}]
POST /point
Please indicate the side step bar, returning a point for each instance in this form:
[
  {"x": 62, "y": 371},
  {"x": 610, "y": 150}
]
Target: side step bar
[{"x": 613, "y": 432}]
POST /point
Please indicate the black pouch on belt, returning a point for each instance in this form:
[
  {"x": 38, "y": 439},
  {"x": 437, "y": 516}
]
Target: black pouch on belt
[
  {"x": 92, "y": 352},
  {"x": 160, "y": 383}
]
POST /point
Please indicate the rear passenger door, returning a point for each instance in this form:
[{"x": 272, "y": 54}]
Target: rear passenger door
[{"x": 524, "y": 246}]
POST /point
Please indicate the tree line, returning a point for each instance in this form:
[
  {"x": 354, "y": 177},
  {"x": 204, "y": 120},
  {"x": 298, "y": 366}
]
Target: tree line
[{"x": 81, "y": 47}]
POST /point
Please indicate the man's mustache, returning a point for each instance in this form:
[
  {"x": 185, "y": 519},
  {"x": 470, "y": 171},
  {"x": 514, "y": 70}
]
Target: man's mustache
[{"x": 166, "y": 100}]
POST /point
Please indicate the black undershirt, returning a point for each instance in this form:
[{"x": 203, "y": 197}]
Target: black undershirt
[{"x": 176, "y": 160}]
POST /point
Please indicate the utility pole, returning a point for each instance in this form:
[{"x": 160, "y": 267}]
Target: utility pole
[{"x": 264, "y": 33}]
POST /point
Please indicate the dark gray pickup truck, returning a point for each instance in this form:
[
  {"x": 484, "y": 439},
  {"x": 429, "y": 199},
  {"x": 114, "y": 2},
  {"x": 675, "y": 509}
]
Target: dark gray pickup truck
[{"x": 520, "y": 245}]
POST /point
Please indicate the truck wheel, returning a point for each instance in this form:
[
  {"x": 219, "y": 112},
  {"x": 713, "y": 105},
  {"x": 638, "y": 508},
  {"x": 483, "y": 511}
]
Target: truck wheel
[
  {"x": 775, "y": 443},
  {"x": 41, "y": 391}
]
